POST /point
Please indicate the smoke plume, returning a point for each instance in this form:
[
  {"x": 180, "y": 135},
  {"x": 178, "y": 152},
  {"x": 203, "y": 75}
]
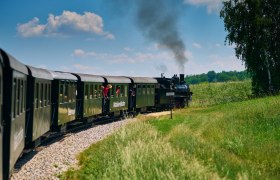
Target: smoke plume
[{"x": 158, "y": 22}]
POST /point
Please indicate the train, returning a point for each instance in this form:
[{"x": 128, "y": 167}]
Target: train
[{"x": 35, "y": 101}]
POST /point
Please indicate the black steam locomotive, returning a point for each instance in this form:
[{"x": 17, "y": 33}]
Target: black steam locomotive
[{"x": 36, "y": 101}]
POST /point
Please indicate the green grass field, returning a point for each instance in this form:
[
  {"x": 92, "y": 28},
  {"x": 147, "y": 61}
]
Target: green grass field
[
  {"x": 239, "y": 140},
  {"x": 207, "y": 94}
]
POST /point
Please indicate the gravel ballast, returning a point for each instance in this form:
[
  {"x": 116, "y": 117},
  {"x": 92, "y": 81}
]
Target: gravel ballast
[{"x": 52, "y": 160}]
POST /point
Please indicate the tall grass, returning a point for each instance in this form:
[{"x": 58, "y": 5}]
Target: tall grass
[
  {"x": 137, "y": 152},
  {"x": 207, "y": 94}
]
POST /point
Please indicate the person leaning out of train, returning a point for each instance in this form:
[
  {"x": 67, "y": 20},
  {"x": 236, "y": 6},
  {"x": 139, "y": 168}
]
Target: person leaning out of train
[{"x": 106, "y": 90}]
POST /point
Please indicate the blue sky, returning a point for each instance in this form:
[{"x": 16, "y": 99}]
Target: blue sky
[{"x": 101, "y": 37}]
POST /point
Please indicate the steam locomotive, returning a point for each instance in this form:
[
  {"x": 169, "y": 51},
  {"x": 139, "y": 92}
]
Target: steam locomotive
[{"x": 36, "y": 101}]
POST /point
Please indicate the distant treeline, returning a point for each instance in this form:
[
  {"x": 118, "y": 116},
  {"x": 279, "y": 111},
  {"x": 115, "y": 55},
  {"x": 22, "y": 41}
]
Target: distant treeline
[{"x": 223, "y": 76}]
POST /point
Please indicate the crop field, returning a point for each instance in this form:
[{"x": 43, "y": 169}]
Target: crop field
[{"x": 236, "y": 140}]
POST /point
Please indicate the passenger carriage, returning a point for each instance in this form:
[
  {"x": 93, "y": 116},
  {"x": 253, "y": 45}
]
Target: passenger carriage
[
  {"x": 63, "y": 98},
  {"x": 117, "y": 101},
  {"x": 14, "y": 110},
  {"x": 141, "y": 93},
  {"x": 38, "y": 116},
  {"x": 89, "y": 97}
]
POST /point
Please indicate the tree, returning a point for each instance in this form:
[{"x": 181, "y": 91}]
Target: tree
[
  {"x": 211, "y": 76},
  {"x": 223, "y": 77},
  {"x": 253, "y": 26}
]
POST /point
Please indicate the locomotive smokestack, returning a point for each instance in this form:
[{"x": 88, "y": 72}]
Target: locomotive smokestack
[{"x": 182, "y": 78}]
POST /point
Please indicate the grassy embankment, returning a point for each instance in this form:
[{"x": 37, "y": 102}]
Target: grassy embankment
[{"x": 233, "y": 140}]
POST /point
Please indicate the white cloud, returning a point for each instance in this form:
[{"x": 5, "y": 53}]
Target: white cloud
[
  {"x": 65, "y": 24},
  {"x": 31, "y": 28},
  {"x": 81, "y": 53},
  {"x": 196, "y": 45},
  {"x": 212, "y": 5}
]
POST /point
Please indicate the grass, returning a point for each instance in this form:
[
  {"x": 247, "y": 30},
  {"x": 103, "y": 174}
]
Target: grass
[
  {"x": 207, "y": 94},
  {"x": 236, "y": 139},
  {"x": 239, "y": 140}
]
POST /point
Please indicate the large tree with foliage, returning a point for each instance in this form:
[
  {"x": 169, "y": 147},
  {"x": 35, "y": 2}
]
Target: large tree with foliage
[{"x": 254, "y": 27}]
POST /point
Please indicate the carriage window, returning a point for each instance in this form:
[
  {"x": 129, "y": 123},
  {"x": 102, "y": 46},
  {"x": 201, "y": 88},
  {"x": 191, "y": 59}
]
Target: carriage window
[
  {"x": 42, "y": 95},
  {"x": 144, "y": 89},
  {"x": 49, "y": 87},
  {"x": 25, "y": 90},
  {"x": 18, "y": 97},
  {"x": 91, "y": 91},
  {"x": 122, "y": 91},
  {"x": 61, "y": 99},
  {"x": 86, "y": 91},
  {"x": 15, "y": 95},
  {"x": 125, "y": 91},
  {"x": 139, "y": 90},
  {"x": 99, "y": 91},
  {"x": 118, "y": 91},
  {"x": 22, "y": 95},
  {"x": 66, "y": 92},
  {"x": 36, "y": 95},
  {"x": 69, "y": 96},
  {"x": 152, "y": 89},
  {"x": 148, "y": 89},
  {"x": 95, "y": 93},
  {"x": 46, "y": 95},
  {"x": 73, "y": 92},
  {"x": 113, "y": 90}
]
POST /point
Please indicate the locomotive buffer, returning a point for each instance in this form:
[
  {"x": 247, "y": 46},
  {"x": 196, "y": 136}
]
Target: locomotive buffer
[{"x": 170, "y": 95}]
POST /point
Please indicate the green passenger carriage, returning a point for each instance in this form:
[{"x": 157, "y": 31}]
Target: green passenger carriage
[
  {"x": 117, "y": 101},
  {"x": 38, "y": 116},
  {"x": 89, "y": 98},
  {"x": 64, "y": 89},
  {"x": 142, "y": 93},
  {"x": 14, "y": 103}
]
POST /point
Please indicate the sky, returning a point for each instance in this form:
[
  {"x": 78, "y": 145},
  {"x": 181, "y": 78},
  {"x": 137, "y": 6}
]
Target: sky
[{"x": 110, "y": 37}]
